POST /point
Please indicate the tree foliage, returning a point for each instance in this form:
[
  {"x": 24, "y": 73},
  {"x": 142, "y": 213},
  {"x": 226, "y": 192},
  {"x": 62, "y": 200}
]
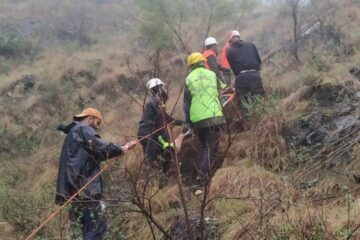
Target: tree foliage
[
  {"x": 11, "y": 43},
  {"x": 192, "y": 22}
]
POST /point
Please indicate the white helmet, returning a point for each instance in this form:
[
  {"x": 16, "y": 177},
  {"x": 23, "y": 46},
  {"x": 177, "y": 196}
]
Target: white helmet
[
  {"x": 153, "y": 83},
  {"x": 233, "y": 34},
  {"x": 210, "y": 41}
]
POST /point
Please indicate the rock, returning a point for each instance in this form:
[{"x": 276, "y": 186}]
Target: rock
[
  {"x": 310, "y": 121},
  {"x": 346, "y": 122},
  {"x": 178, "y": 229},
  {"x": 28, "y": 81},
  {"x": 357, "y": 95},
  {"x": 356, "y": 176},
  {"x": 355, "y": 71},
  {"x": 308, "y": 184},
  {"x": 198, "y": 192},
  {"x": 315, "y": 137}
]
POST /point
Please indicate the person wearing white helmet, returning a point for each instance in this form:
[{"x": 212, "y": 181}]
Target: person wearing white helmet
[
  {"x": 154, "y": 117},
  {"x": 245, "y": 62},
  {"x": 211, "y": 63},
  {"x": 152, "y": 83}
]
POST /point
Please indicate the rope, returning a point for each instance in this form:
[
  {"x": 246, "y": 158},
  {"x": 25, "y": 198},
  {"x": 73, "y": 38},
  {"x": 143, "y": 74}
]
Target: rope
[{"x": 51, "y": 216}]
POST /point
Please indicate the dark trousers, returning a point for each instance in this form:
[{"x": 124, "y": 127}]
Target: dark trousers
[
  {"x": 209, "y": 139},
  {"x": 87, "y": 221},
  {"x": 155, "y": 155},
  {"x": 248, "y": 85}
]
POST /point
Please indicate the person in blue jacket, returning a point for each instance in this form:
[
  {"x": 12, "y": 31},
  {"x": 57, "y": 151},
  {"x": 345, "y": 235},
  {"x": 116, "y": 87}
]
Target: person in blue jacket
[{"x": 82, "y": 152}]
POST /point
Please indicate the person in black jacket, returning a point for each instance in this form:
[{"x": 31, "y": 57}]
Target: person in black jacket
[
  {"x": 81, "y": 155},
  {"x": 157, "y": 147},
  {"x": 245, "y": 62}
]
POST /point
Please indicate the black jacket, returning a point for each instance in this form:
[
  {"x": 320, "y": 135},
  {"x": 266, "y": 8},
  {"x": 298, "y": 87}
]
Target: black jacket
[
  {"x": 243, "y": 56},
  {"x": 152, "y": 119},
  {"x": 81, "y": 154}
]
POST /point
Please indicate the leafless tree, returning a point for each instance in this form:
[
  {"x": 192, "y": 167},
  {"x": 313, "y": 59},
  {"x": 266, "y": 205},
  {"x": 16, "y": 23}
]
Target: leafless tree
[{"x": 295, "y": 6}]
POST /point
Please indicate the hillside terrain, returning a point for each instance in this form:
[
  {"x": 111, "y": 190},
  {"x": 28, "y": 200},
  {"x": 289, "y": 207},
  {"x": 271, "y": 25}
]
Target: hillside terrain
[{"x": 292, "y": 172}]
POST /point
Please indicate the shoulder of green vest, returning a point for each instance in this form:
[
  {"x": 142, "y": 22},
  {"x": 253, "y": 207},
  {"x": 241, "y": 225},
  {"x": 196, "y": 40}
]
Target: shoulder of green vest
[{"x": 201, "y": 70}]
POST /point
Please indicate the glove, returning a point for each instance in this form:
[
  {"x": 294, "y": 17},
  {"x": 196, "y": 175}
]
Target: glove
[{"x": 165, "y": 144}]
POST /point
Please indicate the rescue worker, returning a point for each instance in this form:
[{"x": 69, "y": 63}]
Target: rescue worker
[
  {"x": 81, "y": 155},
  {"x": 203, "y": 110},
  {"x": 245, "y": 62},
  {"x": 211, "y": 63},
  {"x": 157, "y": 148},
  {"x": 225, "y": 66}
]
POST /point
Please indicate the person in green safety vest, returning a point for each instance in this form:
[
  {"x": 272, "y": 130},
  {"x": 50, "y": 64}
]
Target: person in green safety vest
[{"x": 203, "y": 110}]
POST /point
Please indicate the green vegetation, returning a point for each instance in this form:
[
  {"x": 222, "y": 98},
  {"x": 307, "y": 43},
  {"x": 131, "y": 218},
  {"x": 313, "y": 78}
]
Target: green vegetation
[
  {"x": 16, "y": 145},
  {"x": 98, "y": 53}
]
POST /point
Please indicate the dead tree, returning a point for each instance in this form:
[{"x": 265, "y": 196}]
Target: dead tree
[{"x": 294, "y": 6}]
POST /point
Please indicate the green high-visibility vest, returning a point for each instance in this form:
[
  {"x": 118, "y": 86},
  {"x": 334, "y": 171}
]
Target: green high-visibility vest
[{"x": 205, "y": 104}]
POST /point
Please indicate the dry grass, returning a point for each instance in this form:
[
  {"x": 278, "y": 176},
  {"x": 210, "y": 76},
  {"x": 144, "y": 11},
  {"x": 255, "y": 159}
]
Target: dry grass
[
  {"x": 268, "y": 147},
  {"x": 241, "y": 181}
]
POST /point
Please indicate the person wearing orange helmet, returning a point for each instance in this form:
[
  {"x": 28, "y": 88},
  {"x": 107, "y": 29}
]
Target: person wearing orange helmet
[{"x": 81, "y": 156}]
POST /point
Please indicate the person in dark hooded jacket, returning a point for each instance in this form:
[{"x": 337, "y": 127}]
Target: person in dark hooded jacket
[
  {"x": 81, "y": 155},
  {"x": 245, "y": 62},
  {"x": 157, "y": 147}
]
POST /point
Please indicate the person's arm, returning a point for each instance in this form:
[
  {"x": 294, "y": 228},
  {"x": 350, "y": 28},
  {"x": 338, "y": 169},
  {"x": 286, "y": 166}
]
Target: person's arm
[
  {"x": 214, "y": 66},
  {"x": 187, "y": 104},
  {"x": 257, "y": 55},
  {"x": 151, "y": 115},
  {"x": 230, "y": 59},
  {"x": 211, "y": 60},
  {"x": 224, "y": 69},
  {"x": 96, "y": 147}
]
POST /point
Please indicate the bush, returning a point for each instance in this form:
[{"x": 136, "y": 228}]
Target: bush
[
  {"x": 309, "y": 77},
  {"x": 27, "y": 209},
  {"x": 5, "y": 66},
  {"x": 14, "y": 45},
  {"x": 11, "y": 42},
  {"x": 16, "y": 144}
]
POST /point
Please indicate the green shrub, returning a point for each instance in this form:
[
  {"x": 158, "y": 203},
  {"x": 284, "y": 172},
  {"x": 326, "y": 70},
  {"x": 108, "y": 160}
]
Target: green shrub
[
  {"x": 27, "y": 209},
  {"x": 309, "y": 77},
  {"x": 11, "y": 42},
  {"x": 11, "y": 174},
  {"x": 16, "y": 144},
  {"x": 257, "y": 105},
  {"x": 5, "y": 65},
  {"x": 14, "y": 45},
  {"x": 116, "y": 221}
]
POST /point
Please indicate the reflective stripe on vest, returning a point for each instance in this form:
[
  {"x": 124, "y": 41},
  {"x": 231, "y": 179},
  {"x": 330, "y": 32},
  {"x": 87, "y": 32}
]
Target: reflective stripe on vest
[
  {"x": 224, "y": 61},
  {"x": 205, "y": 104},
  {"x": 206, "y": 55}
]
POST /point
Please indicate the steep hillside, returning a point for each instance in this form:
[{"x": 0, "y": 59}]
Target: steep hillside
[{"x": 291, "y": 173}]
